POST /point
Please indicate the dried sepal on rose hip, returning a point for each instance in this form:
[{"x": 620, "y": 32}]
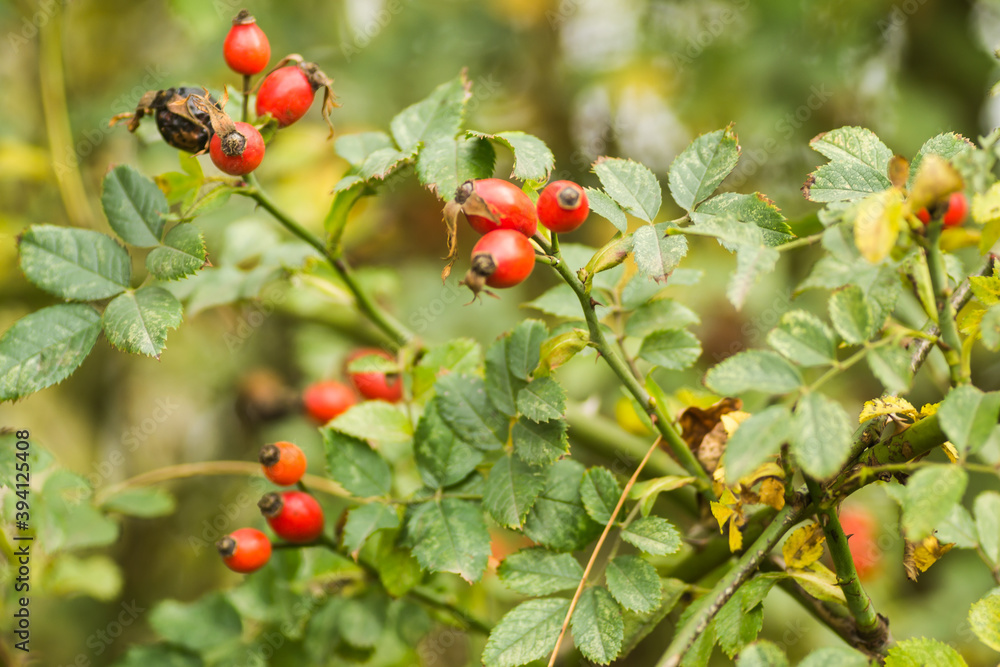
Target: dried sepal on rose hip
[
  {"x": 179, "y": 119},
  {"x": 246, "y": 49},
  {"x": 288, "y": 90},
  {"x": 502, "y": 258}
]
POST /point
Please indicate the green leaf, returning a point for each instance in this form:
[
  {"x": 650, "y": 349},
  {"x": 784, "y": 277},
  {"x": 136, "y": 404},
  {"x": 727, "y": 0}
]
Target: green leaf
[
  {"x": 753, "y": 370},
  {"x": 527, "y": 632},
  {"x": 182, "y": 253},
  {"x": 444, "y": 164},
  {"x": 656, "y": 255},
  {"x": 605, "y": 206},
  {"x": 984, "y": 617},
  {"x": 533, "y": 161},
  {"x": 751, "y": 263},
  {"x": 968, "y": 417},
  {"x": 539, "y": 443},
  {"x": 523, "y": 348},
  {"x": 634, "y": 583},
  {"x": 438, "y": 116},
  {"x": 757, "y": 439},
  {"x": 631, "y": 185},
  {"x": 958, "y": 528},
  {"x": 449, "y": 535},
  {"x": 459, "y": 355},
  {"x": 442, "y": 458},
  {"x": 931, "y": 492},
  {"x": 638, "y": 626},
  {"x": 859, "y": 166},
  {"x": 538, "y": 571},
  {"x": 364, "y": 521},
  {"x": 600, "y": 492},
  {"x": 501, "y": 385},
  {"x": 542, "y": 400},
  {"x": 835, "y": 656},
  {"x": 754, "y": 209},
  {"x": 158, "y": 655},
  {"x": 947, "y": 145},
  {"x": 558, "y": 519},
  {"x": 891, "y": 365},
  {"x": 45, "y": 347},
  {"x": 987, "y": 511},
  {"x": 200, "y": 625},
  {"x": 66, "y": 517},
  {"x": 560, "y": 301},
  {"x": 762, "y": 654},
  {"x": 374, "y": 420},
  {"x": 654, "y": 535},
  {"x": 381, "y": 163},
  {"x": 659, "y": 314},
  {"x": 145, "y": 502},
  {"x": 465, "y": 407},
  {"x": 74, "y": 264},
  {"x": 989, "y": 327},
  {"x": 673, "y": 349},
  {"x": 137, "y": 322},
  {"x": 345, "y": 195},
  {"x": 96, "y": 576},
  {"x": 598, "y": 629},
  {"x": 134, "y": 206},
  {"x": 804, "y": 339},
  {"x": 739, "y": 621},
  {"x": 851, "y": 314},
  {"x": 701, "y": 167},
  {"x": 821, "y": 436},
  {"x": 921, "y": 652},
  {"x": 559, "y": 349},
  {"x": 356, "y": 466},
  {"x": 511, "y": 490},
  {"x": 362, "y": 620},
  {"x": 355, "y": 148}
]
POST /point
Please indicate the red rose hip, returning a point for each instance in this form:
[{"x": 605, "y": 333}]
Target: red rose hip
[
  {"x": 245, "y": 550},
  {"x": 286, "y": 94},
  {"x": 511, "y": 208},
  {"x": 502, "y": 258},
  {"x": 327, "y": 399},
  {"x": 293, "y": 515},
  {"x": 283, "y": 463},
  {"x": 958, "y": 209},
  {"x": 562, "y": 206},
  {"x": 246, "y": 48},
  {"x": 376, "y": 385},
  {"x": 238, "y": 153}
]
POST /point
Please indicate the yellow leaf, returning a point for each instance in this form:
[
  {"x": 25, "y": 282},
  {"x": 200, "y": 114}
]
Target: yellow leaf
[
  {"x": 989, "y": 236},
  {"x": 970, "y": 318},
  {"x": 722, "y": 514},
  {"x": 886, "y": 405},
  {"x": 950, "y": 451},
  {"x": 919, "y": 556},
  {"x": 820, "y": 582},
  {"x": 735, "y": 537},
  {"x": 804, "y": 546},
  {"x": 957, "y": 238},
  {"x": 732, "y": 421},
  {"x": 929, "y": 409},
  {"x": 935, "y": 180},
  {"x": 876, "y": 226},
  {"x": 986, "y": 205},
  {"x": 769, "y": 469},
  {"x": 772, "y": 492},
  {"x": 986, "y": 288}
]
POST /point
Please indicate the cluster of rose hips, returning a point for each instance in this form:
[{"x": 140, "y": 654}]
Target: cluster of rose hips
[
  {"x": 327, "y": 399},
  {"x": 191, "y": 120},
  {"x": 294, "y": 516},
  {"x": 507, "y": 218},
  {"x": 952, "y": 214}
]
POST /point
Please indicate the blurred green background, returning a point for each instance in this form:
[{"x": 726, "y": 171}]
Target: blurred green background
[{"x": 632, "y": 78}]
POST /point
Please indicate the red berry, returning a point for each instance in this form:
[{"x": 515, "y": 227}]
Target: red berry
[
  {"x": 958, "y": 209},
  {"x": 924, "y": 216},
  {"x": 326, "y": 399},
  {"x": 238, "y": 153},
  {"x": 286, "y": 94},
  {"x": 246, "y": 48},
  {"x": 508, "y": 203},
  {"x": 562, "y": 206},
  {"x": 375, "y": 385},
  {"x": 503, "y": 258},
  {"x": 293, "y": 515},
  {"x": 860, "y": 528},
  {"x": 283, "y": 463},
  {"x": 245, "y": 550}
]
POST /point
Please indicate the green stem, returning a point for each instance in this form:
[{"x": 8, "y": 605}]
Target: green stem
[
  {"x": 65, "y": 159},
  {"x": 433, "y": 599},
  {"x": 800, "y": 242},
  {"x": 611, "y": 356},
  {"x": 710, "y": 605},
  {"x": 871, "y": 627},
  {"x": 391, "y": 327},
  {"x": 246, "y": 98},
  {"x": 841, "y": 366},
  {"x": 946, "y": 314}
]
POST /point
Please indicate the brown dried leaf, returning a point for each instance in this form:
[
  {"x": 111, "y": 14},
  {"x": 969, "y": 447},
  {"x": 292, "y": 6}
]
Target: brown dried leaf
[
  {"x": 772, "y": 493},
  {"x": 451, "y": 210},
  {"x": 696, "y": 422},
  {"x": 919, "y": 556}
]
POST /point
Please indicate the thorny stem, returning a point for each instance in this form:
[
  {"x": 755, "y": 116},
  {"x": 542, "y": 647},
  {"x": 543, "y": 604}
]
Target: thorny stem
[
  {"x": 946, "y": 314},
  {"x": 392, "y": 328},
  {"x": 871, "y": 626},
  {"x": 597, "y": 548},
  {"x": 611, "y": 356},
  {"x": 748, "y": 563}
]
